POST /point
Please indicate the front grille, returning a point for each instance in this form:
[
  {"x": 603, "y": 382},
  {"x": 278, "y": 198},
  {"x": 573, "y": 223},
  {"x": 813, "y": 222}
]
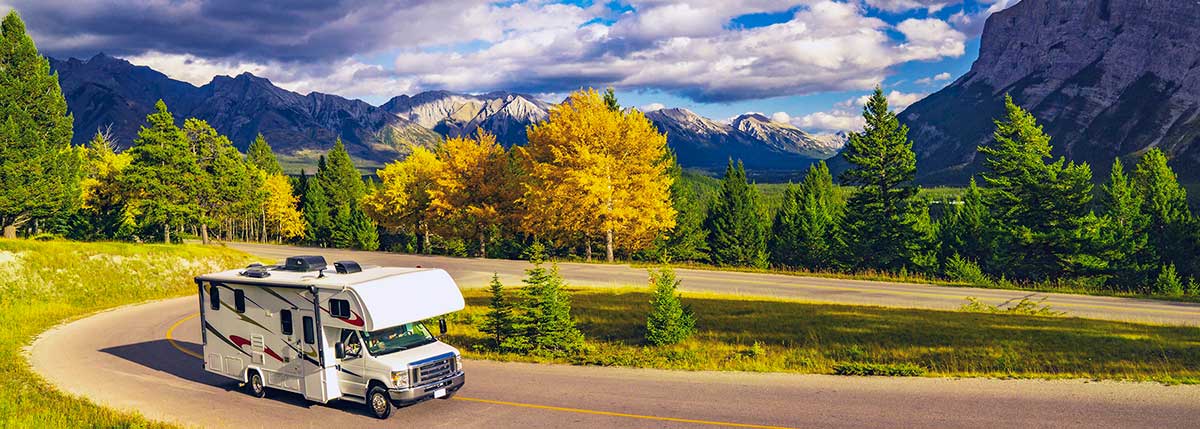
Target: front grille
[{"x": 428, "y": 372}]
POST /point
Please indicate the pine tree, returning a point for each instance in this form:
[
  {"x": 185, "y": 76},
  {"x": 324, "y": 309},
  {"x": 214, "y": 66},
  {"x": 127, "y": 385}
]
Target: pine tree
[
  {"x": 318, "y": 218},
  {"x": 1168, "y": 282},
  {"x": 498, "y": 323},
  {"x": 163, "y": 174},
  {"x": 103, "y": 213},
  {"x": 669, "y": 322},
  {"x": 550, "y": 326},
  {"x": 806, "y": 232},
  {"x": 735, "y": 224},
  {"x": 1039, "y": 208},
  {"x": 610, "y": 100},
  {"x": 881, "y": 214},
  {"x": 225, "y": 185},
  {"x": 1170, "y": 220},
  {"x": 341, "y": 180},
  {"x": 352, "y": 229},
  {"x": 687, "y": 240},
  {"x": 260, "y": 155},
  {"x": 1123, "y": 235},
  {"x": 39, "y": 171},
  {"x": 964, "y": 229}
]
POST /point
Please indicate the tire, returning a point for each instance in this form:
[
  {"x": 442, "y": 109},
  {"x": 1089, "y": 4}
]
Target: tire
[
  {"x": 378, "y": 403},
  {"x": 255, "y": 386}
]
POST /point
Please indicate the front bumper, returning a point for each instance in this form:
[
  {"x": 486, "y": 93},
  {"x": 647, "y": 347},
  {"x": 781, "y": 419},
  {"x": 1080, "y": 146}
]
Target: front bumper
[{"x": 423, "y": 392}]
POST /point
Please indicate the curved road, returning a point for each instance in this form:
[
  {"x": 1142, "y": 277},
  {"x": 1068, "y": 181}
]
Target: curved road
[
  {"x": 477, "y": 272},
  {"x": 125, "y": 359}
]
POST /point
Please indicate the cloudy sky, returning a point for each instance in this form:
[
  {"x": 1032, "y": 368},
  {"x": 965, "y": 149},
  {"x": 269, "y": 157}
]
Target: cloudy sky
[{"x": 807, "y": 62}]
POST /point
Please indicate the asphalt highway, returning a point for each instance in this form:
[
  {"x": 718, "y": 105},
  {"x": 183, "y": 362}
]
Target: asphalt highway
[
  {"x": 470, "y": 272},
  {"x": 142, "y": 358}
]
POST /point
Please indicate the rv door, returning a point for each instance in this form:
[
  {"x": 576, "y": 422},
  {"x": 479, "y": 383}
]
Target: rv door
[{"x": 319, "y": 368}]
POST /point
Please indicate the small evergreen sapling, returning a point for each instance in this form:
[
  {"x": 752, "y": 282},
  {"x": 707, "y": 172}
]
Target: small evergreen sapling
[
  {"x": 498, "y": 322},
  {"x": 669, "y": 322}
]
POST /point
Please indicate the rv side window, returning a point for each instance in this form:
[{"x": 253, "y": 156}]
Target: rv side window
[
  {"x": 239, "y": 300},
  {"x": 285, "y": 322},
  {"x": 339, "y": 308},
  {"x": 214, "y": 296},
  {"x": 310, "y": 334}
]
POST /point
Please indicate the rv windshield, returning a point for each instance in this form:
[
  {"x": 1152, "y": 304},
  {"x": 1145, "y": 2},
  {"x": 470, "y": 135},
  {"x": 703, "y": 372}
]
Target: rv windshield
[{"x": 397, "y": 338}]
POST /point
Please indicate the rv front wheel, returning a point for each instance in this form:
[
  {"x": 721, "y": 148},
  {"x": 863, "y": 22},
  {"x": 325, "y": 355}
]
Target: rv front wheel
[
  {"x": 379, "y": 403},
  {"x": 255, "y": 386}
]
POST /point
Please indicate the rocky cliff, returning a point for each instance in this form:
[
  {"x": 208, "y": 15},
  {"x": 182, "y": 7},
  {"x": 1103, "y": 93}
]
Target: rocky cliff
[{"x": 1106, "y": 78}]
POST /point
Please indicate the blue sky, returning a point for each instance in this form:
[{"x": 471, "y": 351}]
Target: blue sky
[{"x": 807, "y": 62}]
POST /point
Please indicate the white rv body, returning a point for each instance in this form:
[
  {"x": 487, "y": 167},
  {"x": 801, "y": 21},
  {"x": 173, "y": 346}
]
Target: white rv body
[{"x": 287, "y": 325}]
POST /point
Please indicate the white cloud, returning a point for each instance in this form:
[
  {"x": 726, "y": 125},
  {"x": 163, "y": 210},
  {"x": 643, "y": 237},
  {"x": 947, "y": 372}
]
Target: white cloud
[
  {"x": 781, "y": 117},
  {"x": 972, "y": 23},
  {"x": 847, "y": 115},
  {"x": 652, "y": 107},
  {"x": 905, "y": 5},
  {"x": 940, "y": 77}
]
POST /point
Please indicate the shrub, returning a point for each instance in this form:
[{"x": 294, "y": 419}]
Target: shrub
[
  {"x": 1025, "y": 307},
  {"x": 884, "y": 369},
  {"x": 1193, "y": 288},
  {"x": 668, "y": 322},
  {"x": 1168, "y": 282},
  {"x": 965, "y": 270}
]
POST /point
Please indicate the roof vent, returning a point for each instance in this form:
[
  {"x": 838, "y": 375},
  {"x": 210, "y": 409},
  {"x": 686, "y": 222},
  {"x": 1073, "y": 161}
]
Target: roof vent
[
  {"x": 347, "y": 267},
  {"x": 256, "y": 271},
  {"x": 304, "y": 264}
]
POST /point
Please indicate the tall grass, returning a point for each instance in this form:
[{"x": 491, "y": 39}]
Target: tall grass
[
  {"x": 750, "y": 334},
  {"x": 46, "y": 283}
]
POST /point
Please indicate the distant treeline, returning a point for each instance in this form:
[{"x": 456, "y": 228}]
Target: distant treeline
[{"x": 595, "y": 177}]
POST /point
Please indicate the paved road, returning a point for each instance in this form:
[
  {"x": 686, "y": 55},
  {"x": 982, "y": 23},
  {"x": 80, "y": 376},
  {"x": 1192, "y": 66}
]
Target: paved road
[
  {"x": 123, "y": 359},
  {"x": 477, "y": 272}
]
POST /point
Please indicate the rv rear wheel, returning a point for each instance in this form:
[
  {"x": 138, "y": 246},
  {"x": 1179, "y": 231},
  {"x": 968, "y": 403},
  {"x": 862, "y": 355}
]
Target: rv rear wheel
[
  {"x": 378, "y": 402},
  {"x": 255, "y": 385}
]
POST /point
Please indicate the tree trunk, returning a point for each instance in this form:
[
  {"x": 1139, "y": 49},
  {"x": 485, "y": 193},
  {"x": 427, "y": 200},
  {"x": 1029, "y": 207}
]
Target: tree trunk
[
  {"x": 482, "y": 245},
  {"x": 10, "y": 231},
  {"x": 204, "y": 233},
  {"x": 425, "y": 239},
  {"x": 264, "y": 226},
  {"x": 608, "y": 244},
  {"x": 166, "y": 233},
  {"x": 588, "y": 249}
]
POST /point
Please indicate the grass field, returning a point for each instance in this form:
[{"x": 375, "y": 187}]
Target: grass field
[
  {"x": 745, "y": 334},
  {"x": 46, "y": 283}
]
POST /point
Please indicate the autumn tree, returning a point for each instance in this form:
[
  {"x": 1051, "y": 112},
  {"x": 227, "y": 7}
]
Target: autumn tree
[
  {"x": 402, "y": 200},
  {"x": 474, "y": 191},
  {"x": 39, "y": 171},
  {"x": 103, "y": 212},
  {"x": 881, "y": 215},
  {"x": 592, "y": 171},
  {"x": 280, "y": 207}
]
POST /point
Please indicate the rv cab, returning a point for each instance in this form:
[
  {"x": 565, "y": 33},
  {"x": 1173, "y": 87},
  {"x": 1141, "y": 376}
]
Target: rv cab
[{"x": 369, "y": 335}]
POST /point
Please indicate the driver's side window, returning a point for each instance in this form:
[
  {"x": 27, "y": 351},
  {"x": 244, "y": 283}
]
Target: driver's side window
[{"x": 351, "y": 343}]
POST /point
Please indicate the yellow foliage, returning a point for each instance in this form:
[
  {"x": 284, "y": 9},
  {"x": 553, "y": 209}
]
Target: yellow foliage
[
  {"x": 280, "y": 207},
  {"x": 402, "y": 200},
  {"x": 593, "y": 172},
  {"x": 474, "y": 188}
]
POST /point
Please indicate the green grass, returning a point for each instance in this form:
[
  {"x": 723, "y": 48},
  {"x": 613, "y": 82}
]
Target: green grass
[
  {"x": 750, "y": 334},
  {"x": 47, "y": 283}
]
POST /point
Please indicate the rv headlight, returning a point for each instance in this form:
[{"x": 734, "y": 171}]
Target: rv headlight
[
  {"x": 458, "y": 362},
  {"x": 400, "y": 378}
]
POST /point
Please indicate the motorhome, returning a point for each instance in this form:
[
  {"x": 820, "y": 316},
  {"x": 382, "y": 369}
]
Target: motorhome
[{"x": 343, "y": 332}]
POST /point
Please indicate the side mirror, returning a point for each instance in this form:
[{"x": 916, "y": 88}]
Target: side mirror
[
  {"x": 442, "y": 325},
  {"x": 339, "y": 350}
]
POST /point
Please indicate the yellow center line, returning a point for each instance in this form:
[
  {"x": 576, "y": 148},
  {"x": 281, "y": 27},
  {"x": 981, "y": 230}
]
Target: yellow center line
[
  {"x": 613, "y": 414},
  {"x": 171, "y": 339},
  {"x": 171, "y": 336}
]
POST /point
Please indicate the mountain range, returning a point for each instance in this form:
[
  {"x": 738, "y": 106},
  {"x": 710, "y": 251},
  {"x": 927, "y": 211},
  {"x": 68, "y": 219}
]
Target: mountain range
[
  {"x": 107, "y": 93},
  {"x": 1109, "y": 78}
]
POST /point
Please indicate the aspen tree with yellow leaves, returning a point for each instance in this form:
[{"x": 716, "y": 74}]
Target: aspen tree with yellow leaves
[
  {"x": 279, "y": 207},
  {"x": 475, "y": 190},
  {"x": 402, "y": 200},
  {"x": 592, "y": 171}
]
